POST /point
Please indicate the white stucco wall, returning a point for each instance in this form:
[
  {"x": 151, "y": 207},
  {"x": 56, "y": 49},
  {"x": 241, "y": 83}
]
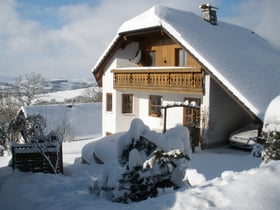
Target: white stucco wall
[
  {"x": 141, "y": 110},
  {"x": 108, "y": 88},
  {"x": 121, "y": 58},
  {"x": 174, "y": 115}
]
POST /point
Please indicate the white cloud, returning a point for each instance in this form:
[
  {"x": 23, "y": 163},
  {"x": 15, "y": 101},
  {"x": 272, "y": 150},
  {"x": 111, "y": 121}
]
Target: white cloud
[{"x": 70, "y": 50}]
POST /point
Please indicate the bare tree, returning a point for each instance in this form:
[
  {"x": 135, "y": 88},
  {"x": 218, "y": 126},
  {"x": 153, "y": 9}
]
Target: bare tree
[
  {"x": 8, "y": 111},
  {"x": 24, "y": 90},
  {"x": 8, "y": 105},
  {"x": 21, "y": 93},
  {"x": 28, "y": 88},
  {"x": 93, "y": 94}
]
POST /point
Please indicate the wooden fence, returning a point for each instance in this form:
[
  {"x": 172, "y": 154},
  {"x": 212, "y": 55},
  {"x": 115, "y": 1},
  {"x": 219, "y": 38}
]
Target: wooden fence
[{"x": 38, "y": 157}]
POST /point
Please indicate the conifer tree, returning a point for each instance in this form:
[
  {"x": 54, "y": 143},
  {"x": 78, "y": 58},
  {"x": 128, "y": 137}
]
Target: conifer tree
[{"x": 271, "y": 146}]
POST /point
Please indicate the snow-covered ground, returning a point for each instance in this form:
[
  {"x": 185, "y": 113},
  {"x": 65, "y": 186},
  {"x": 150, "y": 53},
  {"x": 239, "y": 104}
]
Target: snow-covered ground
[
  {"x": 74, "y": 121},
  {"x": 61, "y": 96},
  {"x": 222, "y": 178}
]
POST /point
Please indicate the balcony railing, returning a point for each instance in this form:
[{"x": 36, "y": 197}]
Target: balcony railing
[{"x": 176, "y": 79}]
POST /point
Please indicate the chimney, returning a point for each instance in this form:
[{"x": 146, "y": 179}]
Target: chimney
[{"x": 209, "y": 13}]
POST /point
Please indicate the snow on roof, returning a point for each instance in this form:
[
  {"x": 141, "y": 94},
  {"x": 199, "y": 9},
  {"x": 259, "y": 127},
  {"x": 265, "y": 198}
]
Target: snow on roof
[
  {"x": 244, "y": 62},
  {"x": 148, "y": 19},
  {"x": 78, "y": 120},
  {"x": 272, "y": 116}
]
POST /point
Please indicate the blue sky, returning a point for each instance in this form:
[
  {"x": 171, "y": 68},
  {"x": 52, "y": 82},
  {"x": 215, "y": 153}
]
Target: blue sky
[
  {"x": 64, "y": 38},
  {"x": 44, "y": 10}
]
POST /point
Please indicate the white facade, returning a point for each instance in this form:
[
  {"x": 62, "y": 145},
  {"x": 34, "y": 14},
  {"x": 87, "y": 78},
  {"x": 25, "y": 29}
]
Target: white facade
[
  {"x": 219, "y": 113},
  {"x": 115, "y": 121}
]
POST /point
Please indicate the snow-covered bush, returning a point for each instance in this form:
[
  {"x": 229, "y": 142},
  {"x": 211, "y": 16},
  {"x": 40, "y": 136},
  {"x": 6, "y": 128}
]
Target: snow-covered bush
[
  {"x": 271, "y": 146},
  {"x": 271, "y": 131},
  {"x": 30, "y": 128},
  {"x": 147, "y": 161}
]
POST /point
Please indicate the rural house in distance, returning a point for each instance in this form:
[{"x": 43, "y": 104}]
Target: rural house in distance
[{"x": 166, "y": 57}]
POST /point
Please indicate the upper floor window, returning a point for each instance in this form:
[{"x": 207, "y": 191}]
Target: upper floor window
[
  {"x": 109, "y": 102},
  {"x": 127, "y": 103},
  {"x": 155, "y": 105},
  {"x": 181, "y": 57},
  {"x": 151, "y": 58}
]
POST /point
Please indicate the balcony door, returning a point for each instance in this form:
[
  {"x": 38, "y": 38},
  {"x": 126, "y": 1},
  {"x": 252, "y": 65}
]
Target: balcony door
[{"x": 192, "y": 121}]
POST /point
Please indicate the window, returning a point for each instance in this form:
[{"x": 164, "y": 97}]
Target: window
[
  {"x": 181, "y": 57},
  {"x": 151, "y": 58},
  {"x": 155, "y": 105},
  {"x": 127, "y": 103},
  {"x": 109, "y": 102}
]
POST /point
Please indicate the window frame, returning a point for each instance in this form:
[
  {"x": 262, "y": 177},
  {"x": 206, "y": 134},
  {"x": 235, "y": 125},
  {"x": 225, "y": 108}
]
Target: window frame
[
  {"x": 156, "y": 106},
  {"x": 192, "y": 117},
  {"x": 109, "y": 102},
  {"x": 181, "y": 57},
  {"x": 150, "y": 57},
  {"x": 127, "y": 108}
]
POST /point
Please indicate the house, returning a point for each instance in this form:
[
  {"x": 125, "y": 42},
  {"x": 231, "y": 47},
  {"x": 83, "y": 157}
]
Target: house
[
  {"x": 166, "y": 56},
  {"x": 73, "y": 122}
]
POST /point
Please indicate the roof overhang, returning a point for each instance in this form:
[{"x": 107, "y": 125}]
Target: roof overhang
[{"x": 119, "y": 41}]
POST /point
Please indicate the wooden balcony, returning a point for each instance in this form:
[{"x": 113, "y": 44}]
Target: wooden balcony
[{"x": 171, "y": 79}]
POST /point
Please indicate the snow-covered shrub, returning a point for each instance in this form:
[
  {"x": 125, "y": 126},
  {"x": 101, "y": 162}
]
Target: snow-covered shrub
[
  {"x": 148, "y": 161},
  {"x": 30, "y": 128},
  {"x": 271, "y": 131},
  {"x": 271, "y": 146}
]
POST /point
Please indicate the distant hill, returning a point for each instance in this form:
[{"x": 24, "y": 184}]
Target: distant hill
[
  {"x": 61, "y": 96},
  {"x": 54, "y": 85},
  {"x": 6, "y": 79},
  {"x": 64, "y": 84}
]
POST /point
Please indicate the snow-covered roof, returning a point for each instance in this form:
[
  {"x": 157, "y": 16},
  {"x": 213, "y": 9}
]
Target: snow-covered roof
[
  {"x": 77, "y": 120},
  {"x": 242, "y": 61},
  {"x": 272, "y": 116}
]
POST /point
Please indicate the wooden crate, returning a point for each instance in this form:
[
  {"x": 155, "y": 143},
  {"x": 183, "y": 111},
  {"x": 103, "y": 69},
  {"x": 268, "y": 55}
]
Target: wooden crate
[{"x": 38, "y": 157}]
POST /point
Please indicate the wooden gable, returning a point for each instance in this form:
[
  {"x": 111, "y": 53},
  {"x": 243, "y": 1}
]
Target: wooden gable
[
  {"x": 158, "y": 67},
  {"x": 156, "y": 40},
  {"x": 164, "y": 46}
]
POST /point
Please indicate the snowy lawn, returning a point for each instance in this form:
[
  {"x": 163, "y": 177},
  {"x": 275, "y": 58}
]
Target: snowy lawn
[{"x": 234, "y": 181}]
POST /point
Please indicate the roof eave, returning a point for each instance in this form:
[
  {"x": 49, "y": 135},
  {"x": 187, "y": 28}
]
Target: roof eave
[{"x": 98, "y": 69}]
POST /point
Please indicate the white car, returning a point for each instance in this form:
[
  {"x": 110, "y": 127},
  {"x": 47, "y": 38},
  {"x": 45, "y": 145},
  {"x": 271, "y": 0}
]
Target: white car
[{"x": 244, "y": 138}]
